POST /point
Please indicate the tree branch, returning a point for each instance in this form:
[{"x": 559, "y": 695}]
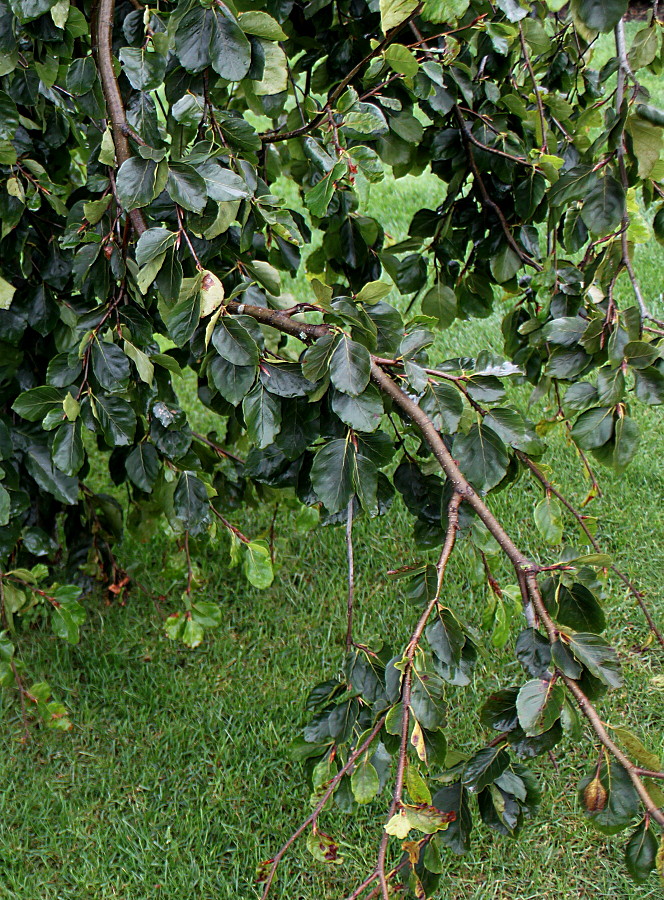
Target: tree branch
[
  {"x": 355, "y": 755},
  {"x": 111, "y": 90}
]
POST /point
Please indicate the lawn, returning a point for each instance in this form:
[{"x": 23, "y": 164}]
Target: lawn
[{"x": 174, "y": 781}]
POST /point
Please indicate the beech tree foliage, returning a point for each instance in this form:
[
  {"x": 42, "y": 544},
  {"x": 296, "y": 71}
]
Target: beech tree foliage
[{"x": 143, "y": 156}]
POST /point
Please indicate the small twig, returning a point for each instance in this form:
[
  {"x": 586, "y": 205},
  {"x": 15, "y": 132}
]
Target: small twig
[
  {"x": 446, "y": 552},
  {"x": 538, "y": 98},
  {"x": 216, "y": 447},
  {"x": 232, "y": 528},
  {"x": 272, "y": 531},
  {"x": 351, "y": 574},
  {"x": 487, "y": 201},
  {"x": 350, "y": 762},
  {"x": 638, "y": 595},
  {"x": 272, "y": 137},
  {"x": 190, "y": 571}
]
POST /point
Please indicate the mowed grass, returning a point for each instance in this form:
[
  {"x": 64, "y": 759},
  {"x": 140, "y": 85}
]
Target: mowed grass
[{"x": 175, "y": 781}]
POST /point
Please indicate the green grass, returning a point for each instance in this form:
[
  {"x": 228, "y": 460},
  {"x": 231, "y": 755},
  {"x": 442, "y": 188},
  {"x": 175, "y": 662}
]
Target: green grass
[{"x": 174, "y": 781}]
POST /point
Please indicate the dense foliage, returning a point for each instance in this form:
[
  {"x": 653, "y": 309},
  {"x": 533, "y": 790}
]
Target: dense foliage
[{"x": 144, "y": 236}]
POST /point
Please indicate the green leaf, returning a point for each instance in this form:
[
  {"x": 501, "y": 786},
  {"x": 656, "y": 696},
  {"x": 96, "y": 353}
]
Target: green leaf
[
  {"x": 144, "y": 68},
  {"x": 549, "y": 520},
  {"x": 332, "y": 474},
  {"x": 394, "y": 12},
  {"x": 5, "y": 507},
  {"x": 440, "y": 303},
  {"x": 152, "y": 243},
  {"x": 641, "y": 853},
  {"x": 7, "y": 292},
  {"x": 183, "y": 318},
  {"x": 538, "y": 705},
  {"x": 443, "y": 403},
  {"x": 505, "y": 264},
  {"x": 350, "y": 367},
  {"x": 482, "y": 457},
  {"x": 598, "y": 657},
  {"x": 222, "y": 185},
  {"x": 641, "y": 354},
  {"x": 364, "y": 782},
  {"x": 136, "y": 182},
  {"x": 439, "y": 11},
  {"x": 257, "y": 564},
  {"x": 35, "y": 403},
  {"x": 27, "y": 10},
  {"x": 95, "y": 209},
  {"x": 604, "y": 207},
  {"x": 599, "y": 15},
  {"x": 262, "y": 414},
  {"x": 191, "y": 504},
  {"x": 363, "y": 413},
  {"x": 81, "y": 76},
  {"x": 373, "y": 292},
  {"x": 66, "y": 619},
  {"x": 234, "y": 343},
  {"x": 402, "y": 60},
  {"x": 142, "y": 466},
  {"x": 593, "y": 428},
  {"x": 316, "y": 359},
  {"x": 186, "y": 187},
  {"x": 207, "y": 614},
  {"x": 262, "y": 25},
  {"x": 317, "y": 199},
  {"x": 192, "y": 633},
  {"x": 635, "y": 748}
]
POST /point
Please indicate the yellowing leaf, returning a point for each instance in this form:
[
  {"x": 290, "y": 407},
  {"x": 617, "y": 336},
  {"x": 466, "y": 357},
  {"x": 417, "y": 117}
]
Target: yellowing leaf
[
  {"x": 212, "y": 293},
  {"x": 7, "y": 292},
  {"x": 398, "y": 825},
  {"x": 394, "y": 12}
]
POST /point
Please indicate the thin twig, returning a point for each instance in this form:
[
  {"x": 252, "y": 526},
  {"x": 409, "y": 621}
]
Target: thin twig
[
  {"x": 409, "y": 656},
  {"x": 354, "y": 756},
  {"x": 351, "y": 575},
  {"x": 638, "y": 595}
]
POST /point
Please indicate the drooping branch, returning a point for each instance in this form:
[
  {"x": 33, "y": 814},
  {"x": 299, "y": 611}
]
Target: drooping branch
[
  {"x": 350, "y": 553},
  {"x": 350, "y": 762},
  {"x": 633, "y": 590},
  {"x": 487, "y": 201},
  {"x": 273, "y": 137},
  {"x": 111, "y": 90},
  {"x": 407, "y": 680}
]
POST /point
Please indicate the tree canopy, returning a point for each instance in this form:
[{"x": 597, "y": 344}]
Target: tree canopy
[{"x": 145, "y": 153}]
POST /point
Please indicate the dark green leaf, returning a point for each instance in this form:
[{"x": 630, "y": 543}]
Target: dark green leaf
[
  {"x": 484, "y": 767},
  {"x": 136, "y": 182},
  {"x": 482, "y": 457},
  {"x": 186, "y": 187},
  {"x": 332, "y": 474},
  {"x": 190, "y": 503},
  {"x": 600, "y": 15},
  {"x": 641, "y": 853},
  {"x": 598, "y": 657},
  {"x": 262, "y": 414},
  {"x": 350, "y": 367},
  {"x": 110, "y": 366},
  {"x": 538, "y": 705},
  {"x": 142, "y": 466}
]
